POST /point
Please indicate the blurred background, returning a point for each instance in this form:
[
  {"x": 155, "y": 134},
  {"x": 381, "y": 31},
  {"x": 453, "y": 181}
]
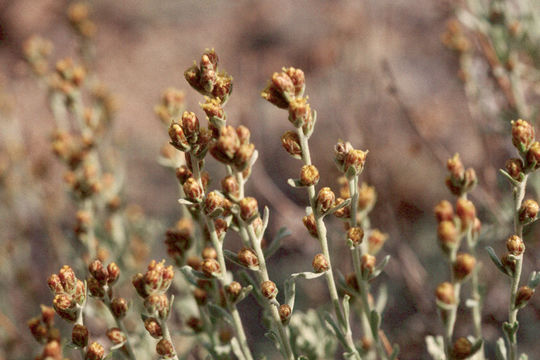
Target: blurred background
[{"x": 378, "y": 75}]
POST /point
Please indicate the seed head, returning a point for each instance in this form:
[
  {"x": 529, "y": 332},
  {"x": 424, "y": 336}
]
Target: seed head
[
  {"x": 463, "y": 265},
  {"x": 445, "y": 293},
  {"x": 320, "y": 264},
  {"x": 309, "y": 175},
  {"x": 444, "y": 211},
  {"x": 269, "y": 289}
]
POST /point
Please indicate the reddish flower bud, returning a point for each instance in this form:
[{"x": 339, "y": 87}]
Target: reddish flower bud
[
  {"x": 269, "y": 289},
  {"x": 285, "y": 313},
  {"x": 233, "y": 290},
  {"x": 466, "y": 212},
  {"x": 523, "y": 296},
  {"x": 444, "y": 211},
  {"x": 448, "y": 234},
  {"x": 298, "y": 79},
  {"x": 514, "y": 168},
  {"x": 114, "y": 273},
  {"x": 291, "y": 143},
  {"x": 248, "y": 258},
  {"x": 533, "y": 155},
  {"x": 178, "y": 137},
  {"x": 119, "y": 307},
  {"x": 116, "y": 336},
  {"x": 515, "y": 245},
  {"x": 320, "y": 264},
  {"x": 79, "y": 335},
  {"x": 528, "y": 211},
  {"x": 367, "y": 263},
  {"x": 95, "y": 352},
  {"x": 165, "y": 348},
  {"x": 356, "y": 160},
  {"x": 356, "y": 235},
  {"x": 68, "y": 279},
  {"x": 248, "y": 208},
  {"x": 193, "y": 190},
  {"x": 154, "y": 329},
  {"x": 190, "y": 125},
  {"x": 456, "y": 169},
  {"x": 300, "y": 112},
  {"x": 463, "y": 266},
  {"x": 462, "y": 349},
  {"x": 344, "y": 212},
  {"x": 311, "y": 226},
  {"x": 522, "y": 135},
  {"x": 325, "y": 199},
  {"x": 210, "y": 267},
  {"x": 445, "y": 293}
]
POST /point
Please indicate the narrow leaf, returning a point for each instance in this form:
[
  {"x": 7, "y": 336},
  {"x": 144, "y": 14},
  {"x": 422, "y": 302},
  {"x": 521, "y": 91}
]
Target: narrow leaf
[{"x": 495, "y": 260}]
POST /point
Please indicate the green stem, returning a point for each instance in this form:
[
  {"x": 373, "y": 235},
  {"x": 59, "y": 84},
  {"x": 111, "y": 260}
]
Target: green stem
[
  {"x": 120, "y": 324},
  {"x": 167, "y": 336}
]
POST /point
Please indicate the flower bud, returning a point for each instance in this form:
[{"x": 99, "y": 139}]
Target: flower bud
[
  {"x": 248, "y": 208},
  {"x": 138, "y": 283},
  {"x": 243, "y": 156},
  {"x": 522, "y": 135},
  {"x": 455, "y": 168},
  {"x": 154, "y": 329},
  {"x": 300, "y": 112},
  {"x": 98, "y": 272},
  {"x": 463, "y": 266},
  {"x": 325, "y": 199},
  {"x": 210, "y": 267},
  {"x": 356, "y": 160},
  {"x": 298, "y": 79},
  {"x": 523, "y": 296},
  {"x": 68, "y": 279},
  {"x": 230, "y": 186},
  {"x": 95, "y": 352},
  {"x": 356, "y": 235},
  {"x": 38, "y": 330},
  {"x": 376, "y": 240},
  {"x": 352, "y": 281},
  {"x": 528, "y": 211},
  {"x": 533, "y": 155},
  {"x": 116, "y": 336},
  {"x": 284, "y": 85},
  {"x": 114, "y": 273},
  {"x": 52, "y": 350},
  {"x": 509, "y": 264},
  {"x": 320, "y": 264},
  {"x": 165, "y": 348},
  {"x": 476, "y": 227},
  {"x": 95, "y": 288},
  {"x": 514, "y": 168},
  {"x": 448, "y": 234},
  {"x": 233, "y": 290},
  {"x": 285, "y": 313},
  {"x": 462, "y": 349},
  {"x": 119, "y": 307},
  {"x": 470, "y": 180},
  {"x": 157, "y": 303},
  {"x": 445, "y": 293},
  {"x": 366, "y": 197},
  {"x": 367, "y": 263},
  {"x": 344, "y": 212},
  {"x": 341, "y": 150},
  {"x": 65, "y": 307},
  {"x": 79, "y": 335},
  {"x": 55, "y": 284},
  {"x": 291, "y": 143},
  {"x": 193, "y": 190},
  {"x": 209, "y": 253},
  {"x": 466, "y": 212},
  {"x": 311, "y": 226},
  {"x": 309, "y": 175},
  {"x": 515, "y": 245},
  {"x": 269, "y": 289},
  {"x": 226, "y": 146},
  {"x": 212, "y": 202},
  {"x": 223, "y": 87},
  {"x": 444, "y": 211},
  {"x": 47, "y": 315},
  {"x": 248, "y": 258},
  {"x": 190, "y": 125},
  {"x": 183, "y": 173},
  {"x": 178, "y": 138},
  {"x": 195, "y": 324}
]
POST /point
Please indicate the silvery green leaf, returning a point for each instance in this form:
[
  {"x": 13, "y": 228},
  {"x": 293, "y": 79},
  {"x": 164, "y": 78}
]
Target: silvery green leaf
[
  {"x": 275, "y": 339},
  {"x": 470, "y": 303},
  {"x": 375, "y": 323},
  {"x": 231, "y": 256},
  {"x": 435, "y": 347},
  {"x": 346, "y": 308},
  {"x": 476, "y": 346},
  {"x": 217, "y": 122},
  {"x": 253, "y": 159},
  {"x": 339, "y": 206},
  {"x": 116, "y": 346},
  {"x": 534, "y": 279},
  {"x": 244, "y": 293},
  {"x": 381, "y": 298},
  {"x": 266, "y": 216},
  {"x": 276, "y": 242},
  {"x": 500, "y": 350},
  {"x": 186, "y": 202},
  {"x": 217, "y": 312},
  {"x": 379, "y": 268},
  {"x": 513, "y": 181},
  {"x": 349, "y": 355},
  {"x": 296, "y": 183},
  {"x": 236, "y": 349},
  {"x": 496, "y": 260},
  {"x": 192, "y": 275},
  {"x": 334, "y": 326},
  {"x": 247, "y": 278}
]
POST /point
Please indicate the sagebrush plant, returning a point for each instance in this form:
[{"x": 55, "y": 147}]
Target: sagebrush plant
[{"x": 192, "y": 309}]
